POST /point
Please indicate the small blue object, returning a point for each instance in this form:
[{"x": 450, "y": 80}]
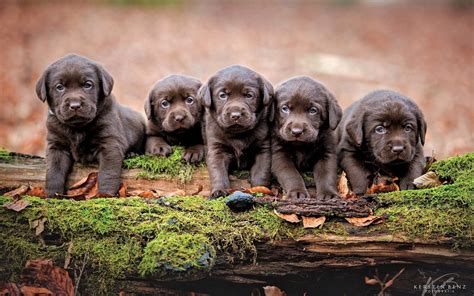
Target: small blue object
[{"x": 239, "y": 201}]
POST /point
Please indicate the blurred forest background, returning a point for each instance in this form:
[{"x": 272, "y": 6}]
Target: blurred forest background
[{"x": 422, "y": 49}]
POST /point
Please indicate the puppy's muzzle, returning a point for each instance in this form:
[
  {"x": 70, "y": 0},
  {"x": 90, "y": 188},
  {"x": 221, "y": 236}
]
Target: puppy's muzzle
[{"x": 237, "y": 115}]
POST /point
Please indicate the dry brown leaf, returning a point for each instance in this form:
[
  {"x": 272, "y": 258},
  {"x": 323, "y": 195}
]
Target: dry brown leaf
[
  {"x": 42, "y": 272},
  {"x": 35, "y": 291},
  {"x": 343, "y": 185},
  {"x": 143, "y": 193},
  {"x": 68, "y": 257},
  {"x": 370, "y": 281},
  {"x": 383, "y": 184},
  {"x": 10, "y": 289},
  {"x": 198, "y": 190},
  {"x": 36, "y": 191},
  {"x": 273, "y": 291},
  {"x": 259, "y": 189},
  {"x": 84, "y": 187},
  {"x": 17, "y": 205},
  {"x": 179, "y": 192},
  {"x": 122, "y": 190},
  {"x": 94, "y": 192},
  {"x": 365, "y": 221},
  {"x": 38, "y": 225},
  {"x": 428, "y": 180},
  {"x": 313, "y": 222},
  {"x": 293, "y": 218},
  {"x": 83, "y": 181},
  {"x": 18, "y": 192}
]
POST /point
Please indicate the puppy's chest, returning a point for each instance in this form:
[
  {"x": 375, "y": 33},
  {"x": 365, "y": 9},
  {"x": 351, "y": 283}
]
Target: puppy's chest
[
  {"x": 83, "y": 147},
  {"x": 304, "y": 158}
]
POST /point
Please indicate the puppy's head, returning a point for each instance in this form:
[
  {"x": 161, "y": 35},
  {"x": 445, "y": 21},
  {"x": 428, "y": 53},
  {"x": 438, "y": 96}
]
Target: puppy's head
[
  {"x": 75, "y": 88},
  {"x": 173, "y": 103},
  {"x": 237, "y": 98},
  {"x": 390, "y": 124},
  {"x": 303, "y": 108}
]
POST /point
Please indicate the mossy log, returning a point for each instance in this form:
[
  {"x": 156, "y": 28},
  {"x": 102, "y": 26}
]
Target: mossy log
[
  {"x": 142, "y": 245},
  {"x": 19, "y": 170}
]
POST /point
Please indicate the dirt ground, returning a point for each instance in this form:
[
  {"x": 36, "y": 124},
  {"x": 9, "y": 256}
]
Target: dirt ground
[{"x": 423, "y": 51}]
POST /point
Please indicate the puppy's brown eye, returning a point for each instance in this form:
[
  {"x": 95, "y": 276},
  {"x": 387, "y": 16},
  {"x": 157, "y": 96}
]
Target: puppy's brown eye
[
  {"x": 88, "y": 85},
  {"x": 408, "y": 129},
  {"x": 313, "y": 110},
  {"x": 380, "y": 130},
  {"x": 223, "y": 96},
  {"x": 189, "y": 100},
  {"x": 60, "y": 87},
  {"x": 249, "y": 96},
  {"x": 165, "y": 104},
  {"x": 285, "y": 109}
]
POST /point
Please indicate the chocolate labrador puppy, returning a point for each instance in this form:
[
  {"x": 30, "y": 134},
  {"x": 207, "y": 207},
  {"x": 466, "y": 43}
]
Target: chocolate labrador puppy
[
  {"x": 303, "y": 139},
  {"x": 85, "y": 123},
  {"x": 384, "y": 133},
  {"x": 174, "y": 117},
  {"x": 237, "y": 102}
]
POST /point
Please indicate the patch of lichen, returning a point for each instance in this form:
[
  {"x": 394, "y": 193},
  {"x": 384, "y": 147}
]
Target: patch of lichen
[
  {"x": 445, "y": 211},
  {"x": 160, "y": 167}
]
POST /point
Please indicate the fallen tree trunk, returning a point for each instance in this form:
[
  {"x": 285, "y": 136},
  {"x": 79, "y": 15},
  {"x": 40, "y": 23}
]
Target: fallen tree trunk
[
  {"x": 31, "y": 170},
  {"x": 143, "y": 245}
]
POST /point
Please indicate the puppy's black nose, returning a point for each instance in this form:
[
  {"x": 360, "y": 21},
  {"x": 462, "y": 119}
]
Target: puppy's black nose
[
  {"x": 398, "y": 148},
  {"x": 296, "y": 131},
  {"x": 75, "y": 106},
  {"x": 179, "y": 118},
  {"x": 235, "y": 115}
]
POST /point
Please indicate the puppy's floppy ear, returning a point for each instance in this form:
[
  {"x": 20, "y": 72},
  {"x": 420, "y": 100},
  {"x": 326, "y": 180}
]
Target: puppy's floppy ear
[
  {"x": 421, "y": 126},
  {"x": 355, "y": 127},
  {"x": 334, "y": 111},
  {"x": 41, "y": 87},
  {"x": 106, "y": 80},
  {"x": 267, "y": 89},
  {"x": 149, "y": 107},
  {"x": 204, "y": 94},
  {"x": 271, "y": 111}
]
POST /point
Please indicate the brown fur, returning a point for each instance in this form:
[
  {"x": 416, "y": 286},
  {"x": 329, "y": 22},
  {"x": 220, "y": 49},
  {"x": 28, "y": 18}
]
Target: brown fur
[{"x": 383, "y": 132}]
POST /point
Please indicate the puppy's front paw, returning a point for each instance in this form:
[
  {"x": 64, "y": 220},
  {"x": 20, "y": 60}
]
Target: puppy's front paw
[
  {"x": 218, "y": 193},
  {"x": 298, "y": 193},
  {"x": 327, "y": 195},
  {"x": 406, "y": 184},
  {"x": 161, "y": 149},
  {"x": 194, "y": 154}
]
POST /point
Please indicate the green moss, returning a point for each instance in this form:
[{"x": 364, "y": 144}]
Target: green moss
[
  {"x": 5, "y": 154},
  {"x": 445, "y": 211},
  {"x": 172, "y": 237},
  {"x": 177, "y": 253},
  {"x": 184, "y": 236},
  {"x": 160, "y": 167}
]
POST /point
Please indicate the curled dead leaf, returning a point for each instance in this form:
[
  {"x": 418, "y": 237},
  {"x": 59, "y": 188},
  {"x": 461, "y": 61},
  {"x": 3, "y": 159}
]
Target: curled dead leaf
[
  {"x": 293, "y": 218},
  {"x": 17, "y": 205},
  {"x": 273, "y": 291},
  {"x": 313, "y": 222},
  {"x": 383, "y": 184},
  {"x": 42, "y": 273},
  {"x": 343, "y": 185},
  {"x": 36, "y": 191},
  {"x": 370, "y": 281},
  {"x": 91, "y": 178},
  {"x": 428, "y": 180},
  {"x": 38, "y": 225},
  {"x": 259, "y": 189},
  {"x": 365, "y": 221},
  {"x": 122, "y": 190},
  {"x": 179, "y": 192},
  {"x": 18, "y": 192},
  {"x": 143, "y": 193},
  {"x": 198, "y": 190},
  {"x": 35, "y": 291}
]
